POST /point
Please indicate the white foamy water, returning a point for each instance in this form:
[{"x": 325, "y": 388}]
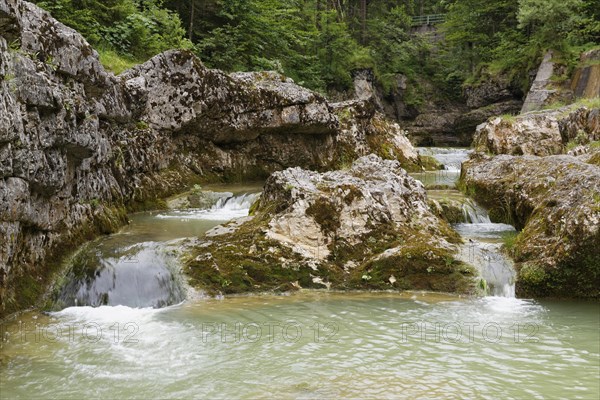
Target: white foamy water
[
  {"x": 486, "y": 229},
  {"x": 140, "y": 266},
  {"x": 483, "y": 246},
  {"x": 307, "y": 345},
  {"x": 310, "y": 345},
  {"x": 106, "y": 314},
  {"x": 451, "y": 158},
  {"x": 224, "y": 210},
  {"x": 475, "y": 214}
]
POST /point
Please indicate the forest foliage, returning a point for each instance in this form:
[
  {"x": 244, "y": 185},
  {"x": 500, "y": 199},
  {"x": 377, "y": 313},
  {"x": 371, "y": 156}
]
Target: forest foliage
[{"x": 320, "y": 42}]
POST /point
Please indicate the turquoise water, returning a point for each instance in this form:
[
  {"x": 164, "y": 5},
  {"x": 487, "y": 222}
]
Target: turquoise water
[
  {"x": 306, "y": 345},
  {"x": 309, "y": 345}
]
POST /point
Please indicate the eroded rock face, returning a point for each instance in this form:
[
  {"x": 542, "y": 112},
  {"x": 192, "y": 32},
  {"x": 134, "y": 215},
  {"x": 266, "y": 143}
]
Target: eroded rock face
[
  {"x": 586, "y": 79},
  {"x": 555, "y": 200},
  {"x": 492, "y": 90},
  {"x": 80, "y": 146},
  {"x": 544, "y": 91},
  {"x": 538, "y": 133},
  {"x": 535, "y": 133},
  {"x": 455, "y": 126},
  {"x": 365, "y": 227},
  {"x": 176, "y": 92},
  {"x": 363, "y": 130}
]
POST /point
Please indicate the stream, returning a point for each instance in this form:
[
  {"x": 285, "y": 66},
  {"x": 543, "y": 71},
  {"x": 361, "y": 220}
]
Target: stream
[{"x": 126, "y": 330}]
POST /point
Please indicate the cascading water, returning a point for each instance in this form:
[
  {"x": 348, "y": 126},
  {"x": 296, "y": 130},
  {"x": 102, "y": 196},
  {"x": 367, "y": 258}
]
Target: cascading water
[
  {"x": 483, "y": 238},
  {"x": 475, "y": 214},
  {"x": 126, "y": 269},
  {"x": 450, "y": 158},
  {"x": 483, "y": 250},
  {"x": 225, "y": 209},
  {"x": 341, "y": 345},
  {"x": 142, "y": 275}
]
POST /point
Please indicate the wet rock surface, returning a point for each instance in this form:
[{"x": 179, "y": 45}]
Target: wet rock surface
[
  {"x": 365, "y": 227},
  {"x": 555, "y": 202}
]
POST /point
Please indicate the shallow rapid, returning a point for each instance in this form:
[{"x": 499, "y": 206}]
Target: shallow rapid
[
  {"x": 306, "y": 345},
  {"x": 309, "y": 345},
  {"x": 483, "y": 238}
]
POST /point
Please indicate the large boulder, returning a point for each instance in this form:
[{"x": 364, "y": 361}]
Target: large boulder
[
  {"x": 365, "y": 227},
  {"x": 555, "y": 202},
  {"x": 534, "y": 133},
  {"x": 539, "y": 133},
  {"x": 363, "y": 130},
  {"x": 178, "y": 93}
]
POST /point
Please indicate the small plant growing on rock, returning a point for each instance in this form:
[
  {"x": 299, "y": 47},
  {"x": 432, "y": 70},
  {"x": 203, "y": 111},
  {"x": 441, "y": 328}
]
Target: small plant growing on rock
[{"x": 141, "y": 125}]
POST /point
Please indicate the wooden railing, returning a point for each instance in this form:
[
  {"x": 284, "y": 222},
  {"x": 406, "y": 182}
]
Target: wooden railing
[{"x": 432, "y": 19}]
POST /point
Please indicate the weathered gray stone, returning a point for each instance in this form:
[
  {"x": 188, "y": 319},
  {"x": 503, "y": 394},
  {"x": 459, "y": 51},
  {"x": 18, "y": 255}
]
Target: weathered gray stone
[
  {"x": 539, "y": 133},
  {"x": 80, "y": 145},
  {"x": 368, "y": 226},
  {"x": 543, "y": 91},
  {"x": 555, "y": 200}
]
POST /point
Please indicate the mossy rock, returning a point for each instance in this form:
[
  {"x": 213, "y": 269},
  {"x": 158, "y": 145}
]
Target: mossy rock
[
  {"x": 429, "y": 163},
  {"x": 416, "y": 267}
]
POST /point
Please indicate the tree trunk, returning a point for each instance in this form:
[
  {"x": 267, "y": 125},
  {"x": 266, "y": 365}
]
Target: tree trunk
[
  {"x": 191, "y": 27},
  {"x": 318, "y": 15},
  {"x": 363, "y": 20}
]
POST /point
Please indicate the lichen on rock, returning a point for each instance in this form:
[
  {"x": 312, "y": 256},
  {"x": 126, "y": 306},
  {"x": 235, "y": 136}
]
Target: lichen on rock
[
  {"x": 348, "y": 229},
  {"x": 363, "y": 130},
  {"x": 79, "y": 146},
  {"x": 538, "y": 133}
]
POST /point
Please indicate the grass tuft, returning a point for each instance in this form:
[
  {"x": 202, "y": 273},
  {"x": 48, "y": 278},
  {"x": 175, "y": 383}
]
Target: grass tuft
[{"x": 115, "y": 62}]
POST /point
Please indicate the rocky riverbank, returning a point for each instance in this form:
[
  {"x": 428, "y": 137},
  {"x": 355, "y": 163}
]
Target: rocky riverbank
[
  {"x": 540, "y": 133},
  {"x": 79, "y": 146},
  {"x": 437, "y": 120},
  {"x": 366, "y": 227},
  {"x": 552, "y": 197}
]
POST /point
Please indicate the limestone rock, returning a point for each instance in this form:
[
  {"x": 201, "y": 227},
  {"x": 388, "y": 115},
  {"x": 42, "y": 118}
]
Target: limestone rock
[
  {"x": 80, "y": 146},
  {"x": 543, "y": 91},
  {"x": 538, "y": 133},
  {"x": 535, "y": 133},
  {"x": 492, "y": 90},
  {"x": 555, "y": 200},
  {"x": 586, "y": 79},
  {"x": 179, "y": 93},
  {"x": 334, "y": 229},
  {"x": 363, "y": 130}
]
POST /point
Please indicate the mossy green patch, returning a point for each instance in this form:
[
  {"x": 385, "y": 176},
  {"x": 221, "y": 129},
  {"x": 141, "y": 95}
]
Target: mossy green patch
[
  {"x": 326, "y": 214},
  {"x": 429, "y": 163},
  {"x": 416, "y": 265},
  {"x": 248, "y": 261},
  {"x": 380, "y": 145}
]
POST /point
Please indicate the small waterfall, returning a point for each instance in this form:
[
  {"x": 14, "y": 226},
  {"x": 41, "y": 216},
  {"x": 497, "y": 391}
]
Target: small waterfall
[
  {"x": 483, "y": 238},
  {"x": 236, "y": 203},
  {"x": 474, "y": 214},
  {"x": 483, "y": 249},
  {"x": 450, "y": 158},
  {"x": 142, "y": 275},
  {"x": 225, "y": 209},
  {"x": 146, "y": 274},
  {"x": 497, "y": 270}
]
